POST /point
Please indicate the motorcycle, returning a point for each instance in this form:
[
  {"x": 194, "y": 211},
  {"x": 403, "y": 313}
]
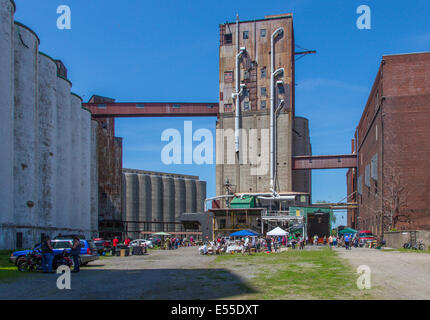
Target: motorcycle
[{"x": 33, "y": 261}]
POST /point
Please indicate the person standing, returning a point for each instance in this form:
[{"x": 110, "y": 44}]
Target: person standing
[
  {"x": 75, "y": 252},
  {"x": 330, "y": 241},
  {"x": 347, "y": 237},
  {"x": 114, "y": 245},
  {"x": 334, "y": 241},
  {"x": 47, "y": 255}
]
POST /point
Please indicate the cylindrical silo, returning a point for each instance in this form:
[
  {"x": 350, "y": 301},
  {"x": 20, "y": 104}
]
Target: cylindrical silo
[
  {"x": 6, "y": 120},
  {"x": 145, "y": 201},
  {"x": 190, "y": 195},
  {"x": 157, "y": 202},
  {"x": 200, "y": 195},
  {"x": 47, "y": 117},
  {"x": 76, "y": 162},
  {"x": 63, "y": 164},
  {"x": 85, "y": 162},
  {"x": 131, "y": 199},
  {"x": 169, "y": 202},
  {"x": 180, "y": 199},
  {"x": 94, "y": 179},
  {"x": 26, "y": 46}
]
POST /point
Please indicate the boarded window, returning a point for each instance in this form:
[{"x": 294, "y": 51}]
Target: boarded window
[
  {"x": 374, "y": 167},
  {"x": 228, "y": 76},
  {"x": 367, "y": 176},
  {"x": 262, "y": 33},
  {"x": 246, "y": 75},
  {"x": 360, "y": 185},
  {"x": 245, "y": 34},
  {"x": 263, "y": 92}
]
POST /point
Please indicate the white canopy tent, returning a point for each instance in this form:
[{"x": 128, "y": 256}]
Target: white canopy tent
[{"x": 277, "y": 232}]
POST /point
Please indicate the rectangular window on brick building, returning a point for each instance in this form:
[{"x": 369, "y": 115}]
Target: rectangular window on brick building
[
  {"x": 228, "y": 76},
  {"x": 245, "y": 35},
  {"x": 263, "y": 73},
  {"x": 246, "y": 106},
  {"x": 374, "y": 167},
  {"x": 262, "y": 33},
  {"x": 263, "y": 104},
  {"x": 367, "y": 176},
  {"x": 228, "y": 38},
  {"x": 246, "y": 75},
  {"x": 263, "y": 92}
]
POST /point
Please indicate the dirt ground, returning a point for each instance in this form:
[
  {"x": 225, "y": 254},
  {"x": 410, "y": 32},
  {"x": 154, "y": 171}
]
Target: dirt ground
[
  {"x": 184, "y": 274},
  {"x": 394, "y": 275}
]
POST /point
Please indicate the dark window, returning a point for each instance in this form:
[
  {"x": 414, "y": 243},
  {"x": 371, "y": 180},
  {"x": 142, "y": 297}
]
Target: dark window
[
  {"x": 19, "y": 239},
  {"x": 263, "y": 92},
  {"x": 228, "y": 38},
  {"x": 263, "y": 72},
  {"x": 246, "y": 105},
  {"x": 245, "y": 92},
  {"x": 245, "y": 35},
  {"x": 263, "y": 33},
  {"x": 246, "y": 75},
  {"x": 140, "y": 106},
  {"x": 281, "y": 89}
]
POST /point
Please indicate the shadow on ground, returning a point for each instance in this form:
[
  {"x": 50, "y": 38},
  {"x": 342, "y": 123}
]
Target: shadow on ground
[{"x": 148, "y": 284}]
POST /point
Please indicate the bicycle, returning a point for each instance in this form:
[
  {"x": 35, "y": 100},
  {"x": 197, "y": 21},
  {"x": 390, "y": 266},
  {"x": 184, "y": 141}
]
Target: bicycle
[{"x": 418, "y": 245}]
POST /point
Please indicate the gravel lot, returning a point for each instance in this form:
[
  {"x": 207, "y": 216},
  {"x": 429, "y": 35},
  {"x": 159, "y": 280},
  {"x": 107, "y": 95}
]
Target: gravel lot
[
  {"x": 394, "y": 275},
  {"x": 184, "y": 274}
]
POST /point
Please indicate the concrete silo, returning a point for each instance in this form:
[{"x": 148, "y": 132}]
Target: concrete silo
[
  {"x": 85, "y": 172},
  {"x": 157, "y": 201},
  {"x": 94, "y": 179},
  {"x": 190, "y": 195},
  {"x": 26, "y": 45},
  {"x": 131, "y": 199},
  {"x": 180, "y": 200},
  {"x": 145, "y": 199},
  {"x": 200, "y": 195},
  {"x": 47, "y": 153},
  {"x": 169, "y": 201},
  {"x": 7, "y": 10},
  {"x": 64, "y": 127},
  {"x": 76, "y": 162}
]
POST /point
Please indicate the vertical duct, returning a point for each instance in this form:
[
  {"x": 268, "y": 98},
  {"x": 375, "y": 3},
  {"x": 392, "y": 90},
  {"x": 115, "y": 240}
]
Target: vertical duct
[
  {"x": 25, "y": 130},
  {"x": 63, "y": 174},
  {"x": 6, "y": 121},
  {"x": 168, "y": 202},
  {"x": 94, "y": 179},
  {"x": 180, "y": 198},
  {"x": 47, "y": 123}
]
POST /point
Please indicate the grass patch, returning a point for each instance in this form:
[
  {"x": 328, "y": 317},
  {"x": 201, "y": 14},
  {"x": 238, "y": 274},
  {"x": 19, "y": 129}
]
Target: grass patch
[
  {"x": 8, "y": 271},
  {"x": 296, "y": 274}
]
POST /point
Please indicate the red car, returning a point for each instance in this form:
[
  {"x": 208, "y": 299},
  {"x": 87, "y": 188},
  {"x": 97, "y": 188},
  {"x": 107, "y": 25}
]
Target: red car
[{"x": 365, "y": 236}]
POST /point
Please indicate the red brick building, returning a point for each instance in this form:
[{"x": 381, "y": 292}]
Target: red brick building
[{"x": 393, "y": 147}]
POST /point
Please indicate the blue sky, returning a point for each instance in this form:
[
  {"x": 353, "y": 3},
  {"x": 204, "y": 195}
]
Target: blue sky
[{"x": 168, "y": 51}]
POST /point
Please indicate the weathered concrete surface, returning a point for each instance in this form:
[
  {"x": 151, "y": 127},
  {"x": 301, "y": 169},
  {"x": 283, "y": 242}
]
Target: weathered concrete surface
[{"x": 394, "y": 275}]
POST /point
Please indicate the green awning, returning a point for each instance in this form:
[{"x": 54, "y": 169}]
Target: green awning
[
  {"x": 243, "y": 203},
  {"x": 348, "y": 230}
]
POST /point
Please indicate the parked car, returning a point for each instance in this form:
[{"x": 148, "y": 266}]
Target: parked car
[
  {"x": 365, "y": 236},
  {"x": 102, "y": 245},
  {"x": 155, "y": 241},
  {"x": 137, "y": 242},
  {"x": 88, "y": 250}
]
